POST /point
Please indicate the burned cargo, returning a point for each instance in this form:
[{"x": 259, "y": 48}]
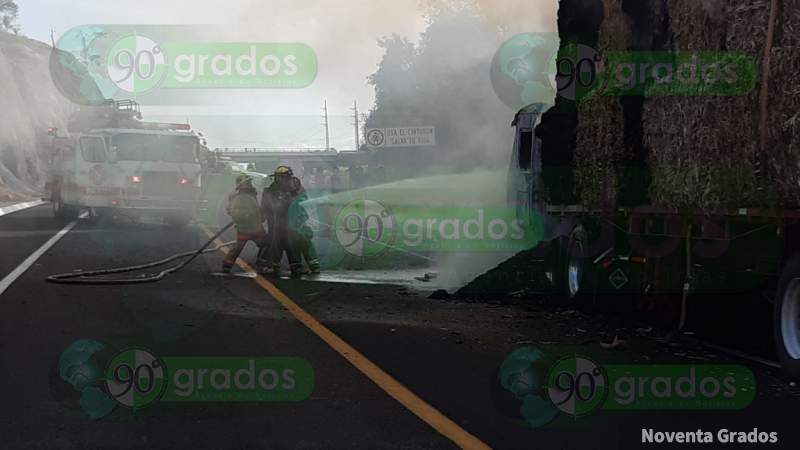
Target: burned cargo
[{"x": 674, "y": 174}]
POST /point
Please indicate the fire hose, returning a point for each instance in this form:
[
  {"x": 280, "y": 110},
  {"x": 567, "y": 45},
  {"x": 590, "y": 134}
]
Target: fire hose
[{"x": 86, "y": 277}]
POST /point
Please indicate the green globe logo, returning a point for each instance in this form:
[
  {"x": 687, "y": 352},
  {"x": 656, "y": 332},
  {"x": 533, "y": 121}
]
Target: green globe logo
[
  {"x": 365, "y": 228},
  {"x": 77, "y": 65},
  {"x": 522, "y": 374},
  {"x": 523, "y": 71},
  {"x": 78, "y": 366},
  {"x": 136, "y": 64},
  {"x": 530, "y": 69}
]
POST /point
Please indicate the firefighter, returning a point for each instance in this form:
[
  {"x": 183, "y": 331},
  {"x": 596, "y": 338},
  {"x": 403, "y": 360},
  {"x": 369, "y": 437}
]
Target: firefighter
[
  {"x": 275, "y": 202},
  {"x": 245, "y": 212},
  {"x": 300, "y": 233}
]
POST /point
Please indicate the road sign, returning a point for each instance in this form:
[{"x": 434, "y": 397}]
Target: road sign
[
  {"x": 401, "y": 137},
  {"x": 376, "y": 137}
]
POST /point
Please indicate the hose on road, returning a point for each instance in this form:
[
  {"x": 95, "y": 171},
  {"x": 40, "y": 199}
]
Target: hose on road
[{"x": 86, "y": 277}]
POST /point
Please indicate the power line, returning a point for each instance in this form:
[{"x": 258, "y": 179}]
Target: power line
[
  {"x": 355, "y": 124},
  {"x": 325, "y": 124}
]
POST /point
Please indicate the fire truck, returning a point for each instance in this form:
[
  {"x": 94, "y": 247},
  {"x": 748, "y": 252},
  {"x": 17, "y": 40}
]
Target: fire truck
[{"x": 110, "y": 159}]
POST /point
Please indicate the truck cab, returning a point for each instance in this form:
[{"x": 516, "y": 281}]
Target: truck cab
[{"x": 524, "y": 176}]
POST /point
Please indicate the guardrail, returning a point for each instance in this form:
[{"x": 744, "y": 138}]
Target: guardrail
[{"x": 273, "y": 150}]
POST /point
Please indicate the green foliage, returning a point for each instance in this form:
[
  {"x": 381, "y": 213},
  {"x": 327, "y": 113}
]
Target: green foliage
[
  {"x": 395, "y": 84},
  {"x": 444, "y": 81}
]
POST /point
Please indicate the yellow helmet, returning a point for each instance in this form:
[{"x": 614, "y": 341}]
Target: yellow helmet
[
  {"x": 283, "y": 171},
  {"x": 243, "y": 178}
]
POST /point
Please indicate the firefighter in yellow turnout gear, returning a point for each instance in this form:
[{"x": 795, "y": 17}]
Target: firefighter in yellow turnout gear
[
  {"x": 280, "y": 206},
  {"x": 245, "y": 211}
]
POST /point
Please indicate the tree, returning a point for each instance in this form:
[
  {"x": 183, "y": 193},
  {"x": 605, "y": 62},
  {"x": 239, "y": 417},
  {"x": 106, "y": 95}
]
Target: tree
[
  {"x": 395, "y": 83},
  {"x": 8, "y": 16},
  {"x": 444, "y": 82}
]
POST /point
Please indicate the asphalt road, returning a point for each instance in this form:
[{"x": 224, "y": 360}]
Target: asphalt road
[{"x": 390, "y": 369}]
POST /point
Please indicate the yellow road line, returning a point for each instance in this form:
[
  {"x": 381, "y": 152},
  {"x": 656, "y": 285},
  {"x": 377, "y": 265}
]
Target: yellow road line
[{"x": 394, "y": 388}]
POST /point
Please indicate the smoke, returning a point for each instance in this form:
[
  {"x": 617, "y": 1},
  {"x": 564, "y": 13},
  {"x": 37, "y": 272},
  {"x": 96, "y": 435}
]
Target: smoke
[
  {"x": 452, "y": 82},
  {"x": 446, "y": 84},
  {"x": 344, "y": 35},
  {"x": 520, "y": 16},
  {"x": 455, "y": 39}
]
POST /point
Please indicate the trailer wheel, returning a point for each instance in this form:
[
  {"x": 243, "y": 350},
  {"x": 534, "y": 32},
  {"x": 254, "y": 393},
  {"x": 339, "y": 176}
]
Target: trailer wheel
[
  {"x": 576, "y": 263},
  {"x": 787, "y": 318},
  {"x": 554, "y": 265},
  {"x": 178, "y": 220},
  {"x": 60, "y": 209},
  {"x": 58, "y": 205}
]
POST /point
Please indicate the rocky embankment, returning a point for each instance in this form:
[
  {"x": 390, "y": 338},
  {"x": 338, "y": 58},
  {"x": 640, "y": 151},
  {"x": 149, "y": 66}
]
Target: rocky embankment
[{"x": 29, "y": 104}]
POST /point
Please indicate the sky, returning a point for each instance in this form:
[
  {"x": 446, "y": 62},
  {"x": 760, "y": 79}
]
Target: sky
[{"x": 343, "y": 34}]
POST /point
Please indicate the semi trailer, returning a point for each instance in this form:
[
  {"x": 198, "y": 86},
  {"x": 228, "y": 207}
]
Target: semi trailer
[{"x": 676, "y": 254}]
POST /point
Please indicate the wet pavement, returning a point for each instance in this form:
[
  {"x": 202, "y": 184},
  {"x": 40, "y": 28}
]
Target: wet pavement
[{"x": 448, "y": 353}]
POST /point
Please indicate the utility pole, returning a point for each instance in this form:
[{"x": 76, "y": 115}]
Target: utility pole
[
  {"x": 355, "y": 124},
  {"x": 325, "y": 124},
  {"x": 364, "y": 117}
]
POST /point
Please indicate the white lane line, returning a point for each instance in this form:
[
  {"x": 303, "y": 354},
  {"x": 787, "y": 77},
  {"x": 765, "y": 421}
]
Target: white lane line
[
  {"x": 19, "y": 207},
  {"x": 12, "y": 277}
]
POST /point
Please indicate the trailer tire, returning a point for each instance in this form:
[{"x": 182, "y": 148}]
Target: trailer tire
[
  {"x": 98, "y": 215},
  {"x": 575, "y": 277},
  {"x": 57, "y": 203},
  {"x": 554, "y": 265},
  {"x": 60, "y": 209},
  {"x": 178, "y": 220},
  {"x": 787, "y": 318}
]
